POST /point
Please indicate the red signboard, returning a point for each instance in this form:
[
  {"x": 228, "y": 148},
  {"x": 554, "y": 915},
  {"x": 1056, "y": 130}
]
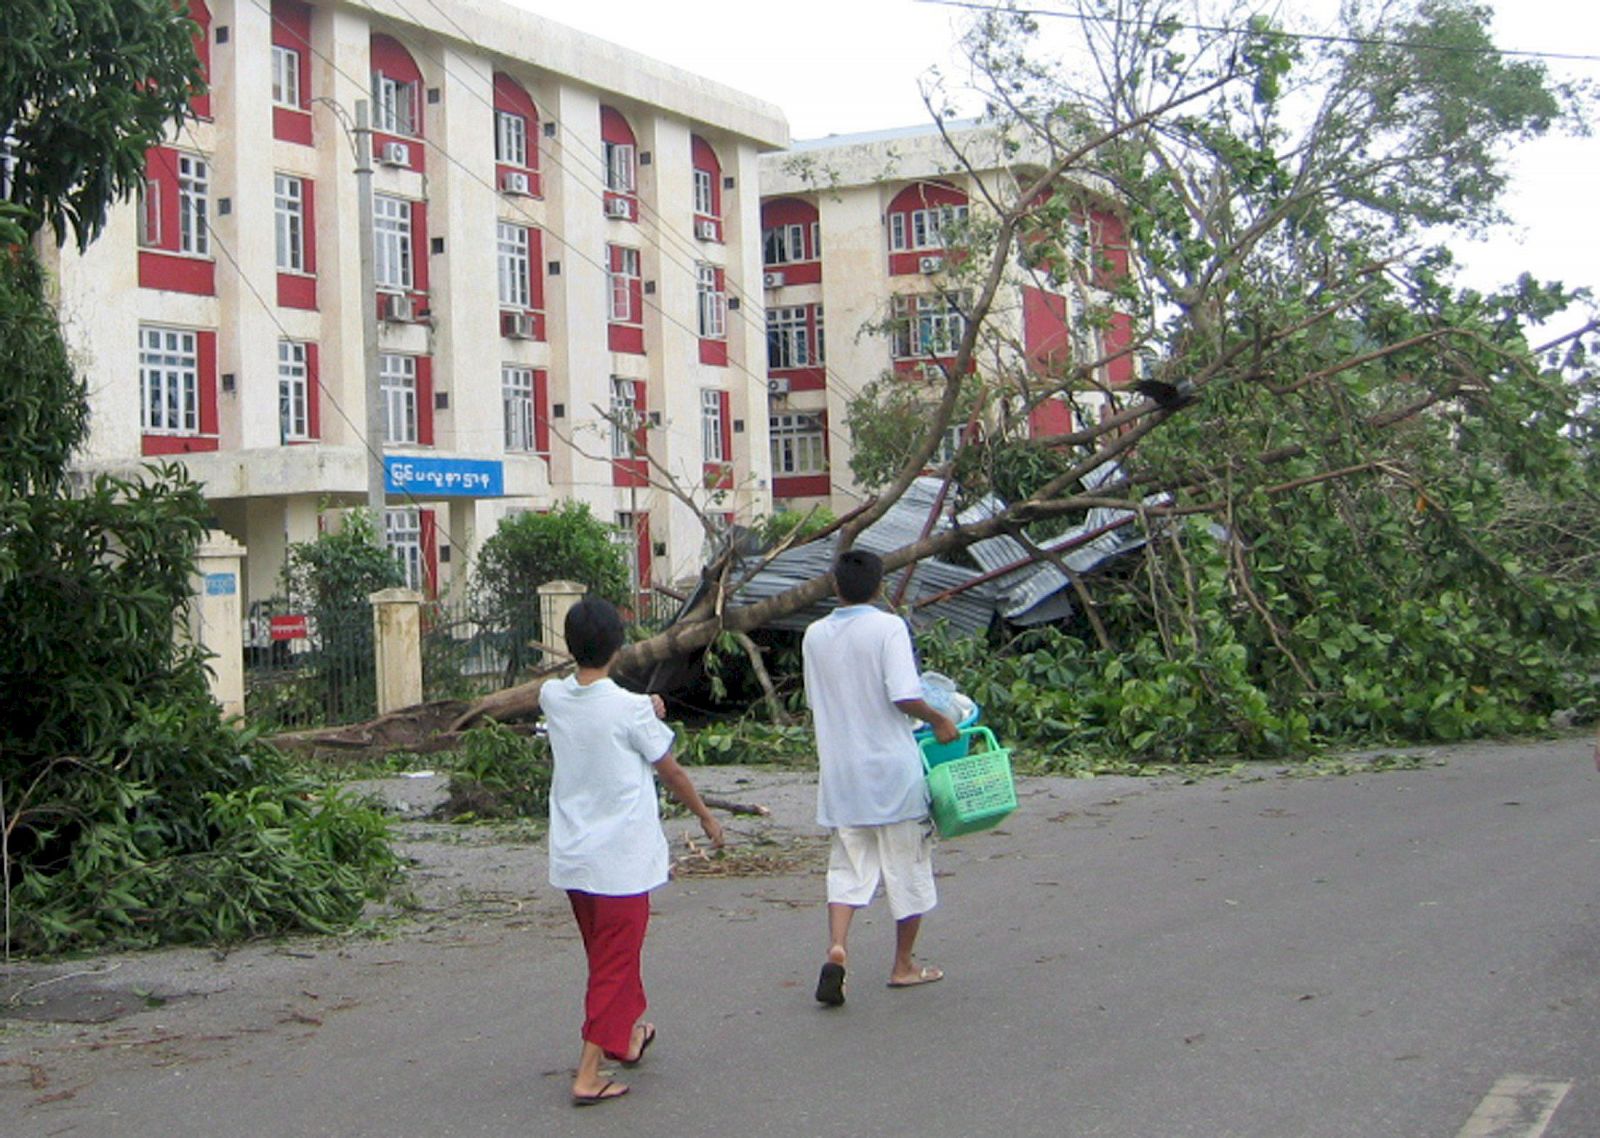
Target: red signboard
[{"x": 288, "y": 627}]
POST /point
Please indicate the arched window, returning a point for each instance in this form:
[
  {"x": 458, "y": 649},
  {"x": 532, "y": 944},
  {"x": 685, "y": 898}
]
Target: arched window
[
  {"x": 396, "y": 103},
  {"x": 921, "y": 220},
  {"x": 620, "y": 153},
  {"x": 707, "y": 190},
  {"x": 516, "y": 137}
]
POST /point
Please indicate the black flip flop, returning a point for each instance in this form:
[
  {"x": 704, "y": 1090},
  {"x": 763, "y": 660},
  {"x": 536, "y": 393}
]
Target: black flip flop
[
  {"x": 599, "y": 1096},
  {"x": 644, "y": 1045},
  {"x": 830, "y": 985}
]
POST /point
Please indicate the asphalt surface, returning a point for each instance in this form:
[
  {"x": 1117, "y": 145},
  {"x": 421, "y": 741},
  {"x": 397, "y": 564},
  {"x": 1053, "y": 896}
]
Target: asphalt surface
[{"x": 1259, "y": 955}]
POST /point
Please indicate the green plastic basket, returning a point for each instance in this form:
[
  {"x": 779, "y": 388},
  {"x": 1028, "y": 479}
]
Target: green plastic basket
[{"x": 971, "y": 793}]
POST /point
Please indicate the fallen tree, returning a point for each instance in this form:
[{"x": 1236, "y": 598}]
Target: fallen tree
[{"x": 1283, "y": 198}]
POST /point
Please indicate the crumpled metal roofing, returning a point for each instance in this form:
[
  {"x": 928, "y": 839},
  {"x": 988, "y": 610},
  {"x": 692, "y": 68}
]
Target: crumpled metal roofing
[{"x": 1033, "y": 594}]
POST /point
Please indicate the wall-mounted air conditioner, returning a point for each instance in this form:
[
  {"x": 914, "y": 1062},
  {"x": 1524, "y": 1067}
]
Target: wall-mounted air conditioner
[
  {"x": 619, "y": 207},
  {"x": 516, "y": 325},
  {"x": 398, "y": 309},
  {"x": 395, "y": 154},
  {"x": 929, "y": 264},
  {"x": 772, "y": 280},
  {"x": 514, "y": 182},
  {"x": 777, "y": 387},
  {"x": 705, "y": 229}
]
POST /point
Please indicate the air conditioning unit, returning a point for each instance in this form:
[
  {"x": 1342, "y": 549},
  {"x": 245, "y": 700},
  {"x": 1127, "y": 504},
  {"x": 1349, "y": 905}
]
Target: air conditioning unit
[
  {"x": 705, "y": 229},
  {"x": 516, "y": 325},
  {"x": 777, "y": 387},
  {"x": 619, "y": 207},
  {"x": 398, "y": 309},
  {"x": 772, "y": 280},
  {"x": 395, "y": 154},
  {"x": 514, "y": 182},
  {"x": 929, "y": 264}
]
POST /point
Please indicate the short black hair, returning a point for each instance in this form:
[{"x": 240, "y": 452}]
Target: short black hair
[
  {"x": 857, "y": 575},
  {"x": 594, "y": 632}
]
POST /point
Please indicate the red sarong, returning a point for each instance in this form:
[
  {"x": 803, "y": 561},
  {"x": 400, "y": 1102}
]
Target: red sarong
[{"x": 613, "y": 937}]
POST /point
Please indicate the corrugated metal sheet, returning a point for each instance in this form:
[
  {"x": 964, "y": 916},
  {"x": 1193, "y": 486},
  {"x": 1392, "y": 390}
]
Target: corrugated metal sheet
[{"x": 1033, "y": 594}]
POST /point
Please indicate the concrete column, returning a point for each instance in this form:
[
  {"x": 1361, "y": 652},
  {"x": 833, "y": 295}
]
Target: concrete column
[
  {"x": 215, "y": 620},
  {"x": 556, "y": 599},
  {"x": 397, "y": 638}
]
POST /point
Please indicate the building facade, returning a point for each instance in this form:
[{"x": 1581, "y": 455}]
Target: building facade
[
  {"x": 566, "y": 251},
  {"x": 856, "y": 232}
]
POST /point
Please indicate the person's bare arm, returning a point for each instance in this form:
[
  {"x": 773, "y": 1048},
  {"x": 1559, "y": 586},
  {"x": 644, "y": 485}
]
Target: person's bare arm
[
  {"x": 676, "y": 780},
  {"x": 944, "y": 728}
]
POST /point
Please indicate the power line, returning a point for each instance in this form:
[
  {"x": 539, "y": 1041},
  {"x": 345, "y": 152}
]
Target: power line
[{"x": 1313, "y": 37}]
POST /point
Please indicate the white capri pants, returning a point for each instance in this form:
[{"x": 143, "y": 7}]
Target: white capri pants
[{"x": 900, "y": 854}]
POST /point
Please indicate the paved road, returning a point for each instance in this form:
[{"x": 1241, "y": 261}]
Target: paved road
[{"x": 1412, "y": 954}]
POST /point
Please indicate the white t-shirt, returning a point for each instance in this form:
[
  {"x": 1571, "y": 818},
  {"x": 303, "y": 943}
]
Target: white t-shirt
[
  {"x": 858, "y": 661},
  {"x": 605, "y": 824}
]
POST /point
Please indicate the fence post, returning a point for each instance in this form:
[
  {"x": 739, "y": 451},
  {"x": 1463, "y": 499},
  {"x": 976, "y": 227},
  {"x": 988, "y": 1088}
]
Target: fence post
[
  {"x": 397, "y": 642},
  {"x": 556, "y": 599},
  {"x": 215, "y": 620}
]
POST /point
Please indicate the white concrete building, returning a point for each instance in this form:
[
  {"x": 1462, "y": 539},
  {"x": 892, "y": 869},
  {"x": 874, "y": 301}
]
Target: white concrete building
[
  {"x": 851, "y": 230},
  {"x": 559, "y": 225}
]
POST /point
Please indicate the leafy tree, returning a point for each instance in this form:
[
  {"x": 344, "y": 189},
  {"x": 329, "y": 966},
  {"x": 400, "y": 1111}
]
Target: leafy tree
[
  {"x": 566, "y": 544},
  {"x": 130, "y": 813},
  {"x": 85, "y": 87}
]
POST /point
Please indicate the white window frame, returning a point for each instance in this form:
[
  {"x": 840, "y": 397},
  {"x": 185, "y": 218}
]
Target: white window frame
[
  {"x": 713, "y": 303},
  {"x": 797, "y": 445},
  {"x": 916, "y": 229},
  {"x": 788, "y": 345},
  {"x": 927, "y": 326},
  {"x": 394, "y": 104},
  {"x": 402, "y": 536},
  {"x": 516, "y": 400},
  {"x": 783, "y": 244},
  {"x": 514, "y": 264},
  {"x": 626, "y": 538},
  {"x": 819, "y": 351},
  {"x": 397, "y": 384},
  {"x": 950, "y": 444},
  {"x": 391, "y": 243},
  {"x": 194, "y": 205},
  {"x": 286, "y": 77},
  {"x": 704, "y": 198},
  {"x": 624, "y": 417},
  {"x": 289, "y": 217},
  {"x": 150, "y": 227},
  {"x": 622, "y": 290},
  {"x": 711, "y": 425},
  {"x": 294, "y": 392},
  {"x": 619, "y": 158},
  {"x": 510, "y": 138},
  {"x": 169, "y": 380}
]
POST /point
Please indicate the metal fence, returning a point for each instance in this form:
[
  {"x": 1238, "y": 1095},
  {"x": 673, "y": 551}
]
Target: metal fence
[
  {"x": 305, "y": 669},
  {"x": 316, "y": 669}
]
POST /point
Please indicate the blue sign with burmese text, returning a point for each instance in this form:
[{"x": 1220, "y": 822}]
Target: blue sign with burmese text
[{"x": 443, "y": 477}]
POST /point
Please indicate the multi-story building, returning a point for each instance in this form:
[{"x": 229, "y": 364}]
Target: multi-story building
[
  {"x": 561, "y": 230},
  {"x": 857, "y": 227}
]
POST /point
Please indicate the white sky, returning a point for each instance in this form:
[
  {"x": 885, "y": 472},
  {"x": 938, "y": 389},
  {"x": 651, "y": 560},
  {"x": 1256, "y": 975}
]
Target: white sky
[{"x": 842, "y": 66}]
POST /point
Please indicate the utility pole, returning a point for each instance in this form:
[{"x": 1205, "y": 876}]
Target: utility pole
[{"x": 369, "y": 320}]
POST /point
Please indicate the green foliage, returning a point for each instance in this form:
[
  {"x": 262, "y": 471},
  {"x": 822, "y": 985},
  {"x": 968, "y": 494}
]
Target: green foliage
[
  {"x": 744, "y": 742},
  {"x": 86, "y": 86},
  {"x": 802, "y": 524},
  {"x": 131, "y": 814},
  {"x": 499, "y": 773},
  {"x": 888, "y": 421},
  {"x": 566, "y": 544}
]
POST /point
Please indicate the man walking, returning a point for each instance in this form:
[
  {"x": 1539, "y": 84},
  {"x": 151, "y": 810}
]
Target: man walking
[{"x": 861, "y": 682}]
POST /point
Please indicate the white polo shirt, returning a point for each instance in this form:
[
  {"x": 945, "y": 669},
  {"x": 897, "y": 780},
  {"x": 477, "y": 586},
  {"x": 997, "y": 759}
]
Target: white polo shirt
[
  {"x": 858, "y": 661},
  {"x": 605, "y": 823}
]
